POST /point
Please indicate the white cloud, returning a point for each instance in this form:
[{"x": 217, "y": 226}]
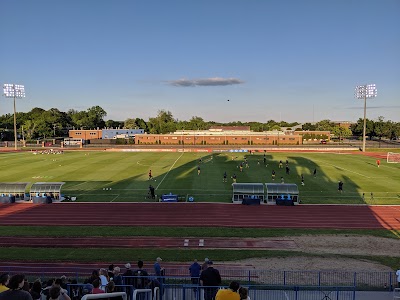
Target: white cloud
[{"x": 215, "y": 81}]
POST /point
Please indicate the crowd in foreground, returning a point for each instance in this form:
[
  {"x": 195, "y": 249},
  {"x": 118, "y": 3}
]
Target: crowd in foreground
[{"x": 17, "y": 287}]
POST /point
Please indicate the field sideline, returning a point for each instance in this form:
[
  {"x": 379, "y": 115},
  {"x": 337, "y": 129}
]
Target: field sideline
[{"x": 100, "y": 176}]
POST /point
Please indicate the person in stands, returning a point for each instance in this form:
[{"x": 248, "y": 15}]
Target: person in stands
[
  {"x": 229, "y": 294},
  {"x": 210, "y": 279},
  {"x": 96, "y": 287},
  {"x": 4, "y": 280},
  {"x": 57, "y": 293},
  {"x": 15, "y": 291}
]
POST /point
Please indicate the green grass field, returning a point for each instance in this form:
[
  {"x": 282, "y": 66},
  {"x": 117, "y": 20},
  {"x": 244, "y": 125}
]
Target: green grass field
[{"x": 125, "y": 175}]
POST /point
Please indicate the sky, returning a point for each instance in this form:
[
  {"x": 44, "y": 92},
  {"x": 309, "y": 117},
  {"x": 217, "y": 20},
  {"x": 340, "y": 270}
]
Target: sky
[{"x": 285, "y": 60}]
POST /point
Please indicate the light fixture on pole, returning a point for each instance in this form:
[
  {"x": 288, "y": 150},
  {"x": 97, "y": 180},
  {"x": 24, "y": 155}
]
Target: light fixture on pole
[
  {"x": 364, "y": 92},
  {"x": 14, "y": 91}
]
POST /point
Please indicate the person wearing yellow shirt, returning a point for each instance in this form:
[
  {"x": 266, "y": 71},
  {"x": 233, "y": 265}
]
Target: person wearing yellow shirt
[
  {"x": 229, "y": 294},
  {"x": 4, "y": 279}
]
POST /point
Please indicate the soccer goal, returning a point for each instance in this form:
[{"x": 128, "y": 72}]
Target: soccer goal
[{"x": 393, "y": 157}]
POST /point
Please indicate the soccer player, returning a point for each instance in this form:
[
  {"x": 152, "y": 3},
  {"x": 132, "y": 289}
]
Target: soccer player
[
  {"x": 378, "y": 162},
  {"x": 302, "y": 179},
  {"x": 280, "y": 164},
  {"x": 224, "y": 179},
  {"x": 198, "y": 170},
  {"x": 150, "y": 176},
  {"x": 241, "y": 167},
  {"x": 234, "y": 178},
  {"x": 282, "y": 180},
  {"x": 340, "y": 186},
  {"x": 315, "y": 173},
  {"x": 273, "y": 175}
]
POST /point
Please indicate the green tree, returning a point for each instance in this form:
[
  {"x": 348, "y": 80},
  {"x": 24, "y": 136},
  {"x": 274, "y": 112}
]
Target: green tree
[
  {"x": 324, "y": 125},
  {"x": 309, "y": 126},
  {"x": 341, "y": 132},
  {"x": 114, "y": 124}
]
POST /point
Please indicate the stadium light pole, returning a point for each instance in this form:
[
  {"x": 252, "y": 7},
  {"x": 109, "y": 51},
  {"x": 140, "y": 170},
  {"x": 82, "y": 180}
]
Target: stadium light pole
[
  {"x": 364, "y": 92},
  {"x": 14, "y": 91}
]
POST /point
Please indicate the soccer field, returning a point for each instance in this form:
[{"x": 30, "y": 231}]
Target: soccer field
[{"x": 123, "y": 176}]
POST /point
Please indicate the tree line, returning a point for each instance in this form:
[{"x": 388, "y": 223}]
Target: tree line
[{"x": 40, "y": 123}]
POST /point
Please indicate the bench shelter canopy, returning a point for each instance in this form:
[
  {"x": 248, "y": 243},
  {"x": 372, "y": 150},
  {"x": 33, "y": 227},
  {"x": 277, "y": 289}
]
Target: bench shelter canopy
[
  {"x": 282, "y": 191},
  {"x": 247, "y": 190},
  {"x": 46, "y": 189},
  {"x": 12, "y": 189}
]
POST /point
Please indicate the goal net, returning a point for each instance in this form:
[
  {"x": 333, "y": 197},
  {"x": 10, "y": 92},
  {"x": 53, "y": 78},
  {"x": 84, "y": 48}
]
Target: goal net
[{"x": 393, "y": 157}]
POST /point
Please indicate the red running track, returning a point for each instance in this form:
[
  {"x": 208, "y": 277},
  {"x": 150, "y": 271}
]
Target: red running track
[
  {"x": 202, "y": 215},
  {"x": 147, "y": 242}
]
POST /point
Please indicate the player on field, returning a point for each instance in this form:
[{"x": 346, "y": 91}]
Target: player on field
[
  {"x": 378, "y": 162},
  {"x": 224, "y": 179},
  {"x": 315, "y": 172},
  {"x": 273, "y": 175},
  {"x": 234, "y": 178},
  {"x": 150, "y": 176},
  {"x": 198, "y": 170},
  {"x": 340, "y": 186},
  {"x": 280, "y": 164},
  {"x": 302, "y": 179}
]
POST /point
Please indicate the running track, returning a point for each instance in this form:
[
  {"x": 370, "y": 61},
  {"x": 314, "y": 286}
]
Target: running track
[{"x": 202, "y": 215}]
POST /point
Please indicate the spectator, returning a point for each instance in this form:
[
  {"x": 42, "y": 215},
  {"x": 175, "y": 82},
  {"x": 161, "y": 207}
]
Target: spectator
[
  {"x": 15, "y": 291},
  {"x": 26, "y": 286},
  {"x": 210, "y": 279},
  {"x": 95, "y": 275},
  {"x": 75, "y": 290},
  {"x": 117, "y": 279},
  {"x": 141, "y": 277},
  {"x": 46, "y": 290},
  {"x": 158, "y": 270},
  {"x": 128, "y": 279},
  {"x": 96, "y": 287},
  {"x": 231, "y": 293},
  {"x": 36, "y": 290},
  {"x": 111, "y": 289},
  {"x": 104, "y": 279},
  {"x": 56, "y": 293},
  {"x": 58, "y": 282},
  {"x": 4, "y": 280},
  {"x": 111, "y": 271},
  {"x": 194, "y": 270},
  {"x": 244, "y": 293},
  {"x": 204, "y": 266},
  {"x": 63, "y": 283}
]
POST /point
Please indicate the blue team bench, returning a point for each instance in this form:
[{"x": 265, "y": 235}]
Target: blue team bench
[{"x": 169, "y": 198}]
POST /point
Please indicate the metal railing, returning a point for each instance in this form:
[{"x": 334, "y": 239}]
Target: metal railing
[
  {"x": 379, "y": 281},
  {"x": 105, "y": 296},
  {"x": 264, "y": 292}
]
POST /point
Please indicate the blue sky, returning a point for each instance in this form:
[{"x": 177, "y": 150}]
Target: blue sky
[{"x": 273, "y": 59}]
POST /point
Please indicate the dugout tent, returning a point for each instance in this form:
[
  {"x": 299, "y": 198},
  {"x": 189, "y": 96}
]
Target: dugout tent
[
  {"x": 42, "y": 192},
  {"x": 282, "y": 193},
  {"x": 243, "y": 191},
  {"x": 11, "y": 191}
]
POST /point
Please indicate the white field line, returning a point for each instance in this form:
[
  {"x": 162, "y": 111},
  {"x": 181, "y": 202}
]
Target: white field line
[
  {"x": 169, "y": 170},
  {"x": 114, "y": 198},
  {"x": 79, "y": 184},
  {"x": 341, "y": 168}
]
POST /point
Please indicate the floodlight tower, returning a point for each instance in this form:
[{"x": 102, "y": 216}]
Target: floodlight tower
[
  {"x": 364, "y": 92},
  {"x": 14, "y": 91}
]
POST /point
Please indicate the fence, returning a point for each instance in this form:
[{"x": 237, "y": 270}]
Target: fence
[
  {"x": 265, "y": 292},
  {"x": 379, "y": 281}
]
